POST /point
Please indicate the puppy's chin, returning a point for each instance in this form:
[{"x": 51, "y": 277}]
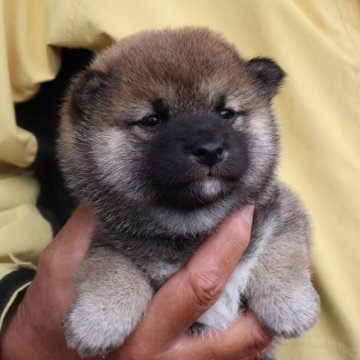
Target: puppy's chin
[{"x": 195, "y": 194}]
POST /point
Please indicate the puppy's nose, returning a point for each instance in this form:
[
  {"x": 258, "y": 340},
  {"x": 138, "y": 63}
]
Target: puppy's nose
[{"x": 209, "y": 153}]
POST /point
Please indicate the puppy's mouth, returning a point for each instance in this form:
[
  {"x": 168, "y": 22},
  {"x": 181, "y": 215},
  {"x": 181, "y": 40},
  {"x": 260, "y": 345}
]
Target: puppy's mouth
[
  {"x": 210, "y": 188},
  {"x": 196, "y": 193}
]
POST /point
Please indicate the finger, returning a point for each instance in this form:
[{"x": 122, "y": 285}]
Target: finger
[
  {"x": 79, "y": 227},
  {"x": 245, "y": 338},
  {"x": 58, "y": 263},
  {"x": 70, "y": 245},
  {"x": 188, "y": 294},
  {"x": 202, "y": 281}
]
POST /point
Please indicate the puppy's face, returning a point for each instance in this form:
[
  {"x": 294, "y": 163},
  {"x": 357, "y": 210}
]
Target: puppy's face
[{"x": 173, "y": 119}]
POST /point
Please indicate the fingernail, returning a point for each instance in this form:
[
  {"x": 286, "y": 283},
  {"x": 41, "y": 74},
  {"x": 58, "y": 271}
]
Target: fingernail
[{"x": 247, "y": 213}]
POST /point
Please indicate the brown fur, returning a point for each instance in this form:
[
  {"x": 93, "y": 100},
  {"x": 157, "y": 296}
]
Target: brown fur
[{"x": 157, "y": 196}]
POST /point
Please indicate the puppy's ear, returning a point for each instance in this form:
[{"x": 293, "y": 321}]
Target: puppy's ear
[
  {"x": 267, "y": 75},
  {"x": 87, "y": 88}
]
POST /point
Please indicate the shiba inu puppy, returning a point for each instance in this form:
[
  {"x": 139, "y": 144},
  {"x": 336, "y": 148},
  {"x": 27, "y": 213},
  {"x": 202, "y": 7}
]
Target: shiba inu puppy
[{"x": 165, "y": 134}]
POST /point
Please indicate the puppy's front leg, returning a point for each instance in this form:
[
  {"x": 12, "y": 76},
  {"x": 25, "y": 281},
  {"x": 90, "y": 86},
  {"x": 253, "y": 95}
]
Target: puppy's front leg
[
  {"x": 280, "y": 291},
  {"x": 112, "y": 296}
]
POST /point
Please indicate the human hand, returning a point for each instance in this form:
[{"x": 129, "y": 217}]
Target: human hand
[
  {"x": 35, "y": 331},
  {"x": 162, "y": 334}
]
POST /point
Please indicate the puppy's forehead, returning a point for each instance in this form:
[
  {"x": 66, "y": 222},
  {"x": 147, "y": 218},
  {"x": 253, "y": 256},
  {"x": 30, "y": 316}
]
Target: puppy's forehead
[{"x": 189, "y": 65}]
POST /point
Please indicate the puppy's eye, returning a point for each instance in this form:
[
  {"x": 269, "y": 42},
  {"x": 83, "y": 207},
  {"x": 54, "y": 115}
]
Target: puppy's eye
[
  {"x": 149, "y": 121},
  {"x": 227, "y": 113}
]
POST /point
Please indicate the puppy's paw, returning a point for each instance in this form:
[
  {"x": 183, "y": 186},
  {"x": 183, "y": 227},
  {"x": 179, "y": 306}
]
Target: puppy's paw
[
  {"x": 93, "y": 328},
  {"x": 290, "y": 315}
]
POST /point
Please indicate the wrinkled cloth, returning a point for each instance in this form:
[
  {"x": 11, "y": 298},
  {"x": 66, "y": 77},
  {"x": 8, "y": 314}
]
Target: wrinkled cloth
[{"x": 317, "y": 43}]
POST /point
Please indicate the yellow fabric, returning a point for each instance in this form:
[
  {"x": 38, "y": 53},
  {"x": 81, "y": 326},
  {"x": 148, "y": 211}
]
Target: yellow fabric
[
  {"x": 318, "y": 45},
  {"x": 25, "y": 61}
]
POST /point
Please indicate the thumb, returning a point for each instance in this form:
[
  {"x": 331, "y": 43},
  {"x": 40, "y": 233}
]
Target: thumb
[{"x": 197, "y": 286}]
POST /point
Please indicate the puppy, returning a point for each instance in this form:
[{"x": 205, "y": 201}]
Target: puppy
[{"x": 165, "y": 134}]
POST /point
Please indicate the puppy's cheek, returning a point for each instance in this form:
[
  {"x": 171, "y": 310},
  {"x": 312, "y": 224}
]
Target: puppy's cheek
[
  {"x": 263, "y": 139},
  {"x": 116, "y": 157}
]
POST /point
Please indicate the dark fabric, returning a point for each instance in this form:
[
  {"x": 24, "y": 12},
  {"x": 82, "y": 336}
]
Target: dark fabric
[
  {"x": 11, "y": 282},
  {"x": 39, "y": 115}
]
